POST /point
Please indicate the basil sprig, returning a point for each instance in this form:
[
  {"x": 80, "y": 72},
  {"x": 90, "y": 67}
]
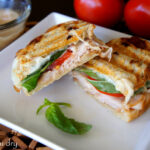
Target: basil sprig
[
  {"x": 143, "y": 89},
  {"x": 148, "y": 84},
  {"x": 30, "y": 82},
  {"x": 101, "y": 83},
  {"x": 105, "y": 86},
  {"x": 139, "y": 91},
  {"x": 55, "y": 116}
]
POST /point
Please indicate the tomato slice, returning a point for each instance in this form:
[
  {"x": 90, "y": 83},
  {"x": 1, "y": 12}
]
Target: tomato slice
[
  {"x": 110, "y": 94},
  {"x": 90, "y": 78},
  {"x": 60, "y": 60}
]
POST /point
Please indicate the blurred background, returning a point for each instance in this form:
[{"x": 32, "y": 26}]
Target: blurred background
[
  {"x": 129, "y": 16},
  {"x": 48, "y": 6},
  {"x": 40, "y": 9}
]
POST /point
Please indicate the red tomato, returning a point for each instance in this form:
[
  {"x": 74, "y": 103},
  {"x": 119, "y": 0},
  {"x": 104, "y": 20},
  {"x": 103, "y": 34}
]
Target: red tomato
[
  {"x": 60, "y": 60},
  {"x": 102, "y": 12},
  {"x": 110, "y": 94},
  {"x": 91, "y": 78},
  {"x": 137, "y": 17}
]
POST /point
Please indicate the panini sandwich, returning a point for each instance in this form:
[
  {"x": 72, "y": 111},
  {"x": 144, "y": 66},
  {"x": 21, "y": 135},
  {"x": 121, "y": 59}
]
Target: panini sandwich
[
  {"x": 123, "y": 84},
  {"x": 55, "y": 53}
]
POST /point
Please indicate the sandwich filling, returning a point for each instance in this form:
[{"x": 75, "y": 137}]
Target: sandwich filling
[
  {"x": 105, "y": 85},
  {"x": 103, "y": 88},
  {"x": 34, "y": 69},
  {"x": 38, "y": 66},
  {"x": 55, "y": 53}
]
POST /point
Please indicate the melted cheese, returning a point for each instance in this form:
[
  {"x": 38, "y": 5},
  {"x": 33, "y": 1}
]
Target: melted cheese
[
  {"x": 126, "y": 87},
  {"x": 122, "y": 80},
  {"x": 26, "y": 68}
]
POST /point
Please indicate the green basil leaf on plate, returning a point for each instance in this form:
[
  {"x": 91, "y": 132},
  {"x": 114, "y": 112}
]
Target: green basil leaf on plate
[{"x": 55, "y": 116}]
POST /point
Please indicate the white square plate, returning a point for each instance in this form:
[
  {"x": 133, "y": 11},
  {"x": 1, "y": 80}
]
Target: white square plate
[{"x": 18, "y": 111}]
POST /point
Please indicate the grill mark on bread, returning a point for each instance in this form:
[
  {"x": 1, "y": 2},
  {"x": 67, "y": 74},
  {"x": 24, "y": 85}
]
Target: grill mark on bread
[
  {"x": 53, "y": 28},
  {"x": 130, "y": 50},
  {"x": 111, "y": 70},
  {"x": 136, "y": 41},
  {"x": 69, "y": 36},
  {"x": 42, "y": 47},
  {"x": 116, "y": 53},
  {"x": 125, "y": 43},
  {"x": 130, "y": 65},
  {"x": 36, "y": 40},
  {"x": 132, "y": 59},
  {"x": 72, "y": 28},
  {"x": 55, "y": 45}
]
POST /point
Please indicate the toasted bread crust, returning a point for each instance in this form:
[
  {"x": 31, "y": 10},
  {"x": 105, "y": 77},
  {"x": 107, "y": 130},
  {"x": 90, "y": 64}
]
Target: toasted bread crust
[
  {"x": 138, "y": 49},
  {"x": 54, "y": 38},
  {"x": 133, "y": 55},
  {"x": 132, "y": 114}
]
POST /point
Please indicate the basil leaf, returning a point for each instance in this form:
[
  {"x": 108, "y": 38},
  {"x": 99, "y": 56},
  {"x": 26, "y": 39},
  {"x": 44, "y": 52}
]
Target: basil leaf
[
  {"x": 41, "y": 107},
  {"x": 82, "y": 127},
  {"x": 139, "y": 91},
  {"x": 30, "y": 82},
  {"x": 104, "y": 86},
  {"x": 90, "y": 73},
  {"x": 48, "y": 103},
  {"x": 143, "y": 89},
  {"x": 55, "y": 116},
  {"x": 148, "y": 84},
  {"x": 58, "y": 119},
  {"x": 57, "y": 55}
]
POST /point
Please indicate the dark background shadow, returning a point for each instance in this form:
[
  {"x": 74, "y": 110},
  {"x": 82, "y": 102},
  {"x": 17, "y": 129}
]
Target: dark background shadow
[{"x": 41, "y": 8}]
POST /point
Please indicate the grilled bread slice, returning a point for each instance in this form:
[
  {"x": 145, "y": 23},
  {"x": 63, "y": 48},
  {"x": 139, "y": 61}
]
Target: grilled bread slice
[
  {"x": 127, "y": 74},
  {"x": 55, "y": 53}
]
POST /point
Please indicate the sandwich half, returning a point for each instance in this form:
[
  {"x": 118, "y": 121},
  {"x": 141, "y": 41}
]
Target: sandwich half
[
  {"x": 55, "y": 53},
  {"x": 123, "y": 84}
]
